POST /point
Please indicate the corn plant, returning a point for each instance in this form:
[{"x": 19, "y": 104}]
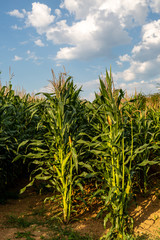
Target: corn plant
[
  {"x": 121, "y": 153},
  {"x": 113, "y": 156},
  {"x": 54, "y": 154},
  {"x": 146, "y": 138},
  {"x": 146, "y": 135},
  {"x": 14, "y": 122},
  {"x": 114, "y": 143}
]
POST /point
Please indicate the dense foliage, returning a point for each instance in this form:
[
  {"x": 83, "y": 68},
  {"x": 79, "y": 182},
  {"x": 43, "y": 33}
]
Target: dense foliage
[
  {"x": 67, "y": 142},
  {"x": 15, "y": 127}
]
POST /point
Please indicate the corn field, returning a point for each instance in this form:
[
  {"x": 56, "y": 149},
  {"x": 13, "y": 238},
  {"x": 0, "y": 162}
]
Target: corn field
[{"x": 112, "y": 144}]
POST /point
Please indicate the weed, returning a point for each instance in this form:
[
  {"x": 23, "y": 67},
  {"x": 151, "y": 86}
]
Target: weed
[
  {"x": 65, "y": 233},
  {"x": 39, "y": 212},
  {"x": 21, "y": 222},
  {"x": 26, "y": 235},
  {"x": 42, "y": 237}
]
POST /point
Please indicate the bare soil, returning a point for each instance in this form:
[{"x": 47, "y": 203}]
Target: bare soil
[{"x": 146, "y": 217}]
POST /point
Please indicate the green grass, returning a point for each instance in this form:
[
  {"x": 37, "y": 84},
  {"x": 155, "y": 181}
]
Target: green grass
[
  {"x": 38, "y": 212},
  {"x": 20, "y": 222},
  {"x": 26, "y": 235},
  {"x": 54, "y": 227},
  {"x": 69, "y": 234}
]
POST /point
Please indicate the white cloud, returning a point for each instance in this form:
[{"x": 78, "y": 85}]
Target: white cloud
[
  {"x": 63, "y": 33},
  {"x": 12, "y": 49},
  {"x": 15, "y": 27},
  {"x": 158, "y": 58},
  {"x": 139, "y": 71},
  {"x": 90, "y": 97},
  {"x": 88, "y": 89},
  {"x": 144, "y": 60},
  {"x": 40, "y": 17},
  {"x": 32, "y": 56},
  {"x": 119, "y": 63},
  {"x": 146, "y": 87},
  {"x": 17, "y": 58},
  {"x": 93, "y": 34},
  {"x": 39, "y": 43},
  {"x": 125, "y": 58},
  {"x": 77, "y": 7},
  {"x": 99, "y": 26},
  {"x": 155, "y": 5},
  {"x": 150, "y": 33},
  {"x": 24, "y": 42},
  {"x": 58, "y": 64},
  {"x": 47, "y": 89},
  {"x": 143, "y": 87},
  {"x": 17, "y": 14},
  {"x": 91, "y": 84},
  {"x": 128, "y": 11},
  {"x": 58, "y": 12},
  {"x": 88, "y": 38},
  {"x": 150, "y": 44}
]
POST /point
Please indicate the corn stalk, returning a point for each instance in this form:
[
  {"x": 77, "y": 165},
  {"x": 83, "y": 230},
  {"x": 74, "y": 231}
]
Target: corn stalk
[
  {"x": 53, "y": 153},
  {"x": 110, "y": 146}
]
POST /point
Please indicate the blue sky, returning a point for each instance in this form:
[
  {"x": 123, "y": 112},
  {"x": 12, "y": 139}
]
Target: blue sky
[{"x": 85, "y": 37}]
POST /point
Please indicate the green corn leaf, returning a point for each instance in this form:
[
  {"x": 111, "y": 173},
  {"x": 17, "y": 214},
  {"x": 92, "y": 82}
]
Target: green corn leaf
[
  {"x": 107, "y": 217},
  {"x": 17, "y": 158},
  {"x": 75, "y": 159},
  {"x": 22, "y": 144},
  {"x": 41, "y": 177},
  {"x": 28, "y": 185},
  {"x": 147, "y": 162},
  {"x": 86, "y": 165},
  {"x": 64, "y": 162}
]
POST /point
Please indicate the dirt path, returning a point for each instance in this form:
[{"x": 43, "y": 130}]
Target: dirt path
[
  {"x": 147, "y": 215},
  {"x": 146, "y": 218}
]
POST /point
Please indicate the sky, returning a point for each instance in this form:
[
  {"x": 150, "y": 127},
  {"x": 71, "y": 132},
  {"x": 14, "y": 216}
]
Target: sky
[{"x": 84, "y": 36}]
